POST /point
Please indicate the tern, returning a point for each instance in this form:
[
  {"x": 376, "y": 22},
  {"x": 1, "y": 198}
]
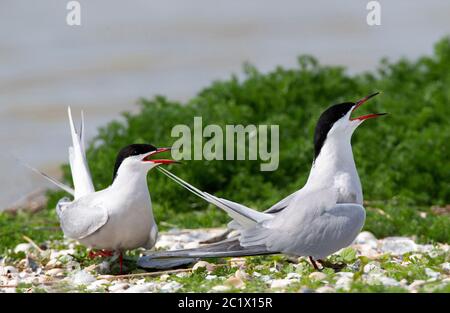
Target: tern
[
  {"x": 321, "y": 218},
  {"x": 117, "y": 218}
]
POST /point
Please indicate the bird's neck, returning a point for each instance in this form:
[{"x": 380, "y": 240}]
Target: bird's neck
[
  {"x": 131, "y": 181},
  {"x": 335, "y": 167}
]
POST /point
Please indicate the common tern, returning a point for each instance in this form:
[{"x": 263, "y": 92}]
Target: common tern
[
  {"x": 321, "y": 218},
  {"x": 117, "y": 218}
]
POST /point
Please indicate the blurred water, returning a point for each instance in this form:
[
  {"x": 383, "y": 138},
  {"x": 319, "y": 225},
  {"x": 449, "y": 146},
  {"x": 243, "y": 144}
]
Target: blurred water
[{"x": 126, "y": 50}]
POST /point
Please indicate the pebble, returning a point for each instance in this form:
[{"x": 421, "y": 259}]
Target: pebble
[
  {"x": 318, "y": 276},
  {"x": 210, "y": 277},
  {"x": 273, "y": 270},
  {"x": 28, "y": 264},
  {"x": 266, "y": 278},
  {"x": 398, "y": 245},
  {"x": 23, "y": 247},
  {"x": 82, "y": 278},
  {"x": 345, "y": 274},
  {"x": 104, "y": 267},
  {"x": 425, "y": 248},
  {"x": 373, "y": 267},
  {"x": 191, "y": 245},
  {"x": 368, "y": 251},
  {"x": 325, "y": 289},
  {"x": 53, "y": 263},
  {"x": 8, "y": 270},
  {"x": 295, "y": 276},
  {"x": 366, "y": 237},
  {"x": 242, "y": 275},
  {"x": 235, "y": 282},
  {"x": 55, "y": 272},
  {"x": 171, "y": 287},
  {"x": 138, "y": 289},
  {"x": 208, "y": 266},
  {"x": 164, "y": 277},
  {"x": 432, "y": 274},
  {"x": 344, "y": 280},
  {"x": 280, "y": 283},
  {"x": 416, "y": 285},
  {"x": 73, "y": 265},
  {"x": 8, "y": 290},
  {"x": 379, "y": 279},
  {"x": 220, "y": 288},
  {"x": 118, "y": 287},
  {"x": 238, "y": 262},
  {"x": 12, "y": 282},
  {"x": 98, "y": 284},
  {"x": 446, "y": 267},
  {"x": 388, "y": 281}
]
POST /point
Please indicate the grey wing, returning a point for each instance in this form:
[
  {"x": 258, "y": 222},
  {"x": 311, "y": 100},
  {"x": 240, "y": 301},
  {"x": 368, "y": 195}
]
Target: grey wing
[
  {"x": 290, "y": 224},
  {"x": 79, "y": 221},
  {"x": 281, "y": 205}
]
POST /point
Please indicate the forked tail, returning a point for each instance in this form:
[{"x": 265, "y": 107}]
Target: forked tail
[{"x": 227, "y": 248}]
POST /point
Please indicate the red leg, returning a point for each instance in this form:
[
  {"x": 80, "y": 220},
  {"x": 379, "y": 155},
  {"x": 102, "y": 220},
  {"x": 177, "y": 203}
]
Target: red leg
[{"x": 121, "y": 262}]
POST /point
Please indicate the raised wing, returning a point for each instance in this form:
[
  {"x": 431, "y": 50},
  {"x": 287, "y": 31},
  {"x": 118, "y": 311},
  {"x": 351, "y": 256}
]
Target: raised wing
[{"x": 81, "y": 175}]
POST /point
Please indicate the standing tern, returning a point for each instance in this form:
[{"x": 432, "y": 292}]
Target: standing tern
[
  {"x": 321, "y": 218},
  {"x": 119, "y": 217}
]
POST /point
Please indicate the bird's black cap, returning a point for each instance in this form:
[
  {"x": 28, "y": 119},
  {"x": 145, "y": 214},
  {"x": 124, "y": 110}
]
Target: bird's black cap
[
  {"x": 131, "y": 150},
  {"x": 326, "y": 122}
]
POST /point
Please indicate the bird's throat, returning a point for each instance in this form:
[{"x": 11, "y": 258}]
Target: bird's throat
[{"x": 335, "y": 167}]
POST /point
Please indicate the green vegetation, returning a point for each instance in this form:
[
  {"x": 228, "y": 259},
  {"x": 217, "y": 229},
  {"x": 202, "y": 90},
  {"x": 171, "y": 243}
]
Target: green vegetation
[{"x": 402, "y": 158}]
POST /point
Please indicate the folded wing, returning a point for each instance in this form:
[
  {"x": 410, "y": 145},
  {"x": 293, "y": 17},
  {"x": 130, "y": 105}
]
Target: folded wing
[{"x": 79, "y": 220}]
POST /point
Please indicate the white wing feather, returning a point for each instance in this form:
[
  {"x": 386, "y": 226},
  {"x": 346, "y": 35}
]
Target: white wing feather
[
  {"x": 47, "y": 177},
  {"x": 81, "y": 175},
  {"x": 241, "y": 214}
]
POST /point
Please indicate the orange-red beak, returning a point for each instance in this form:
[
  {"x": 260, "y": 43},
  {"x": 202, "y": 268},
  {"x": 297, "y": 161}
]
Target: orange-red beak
[
  {"x": 148, "y": 158},
  {"x": 367, "y": 116}
]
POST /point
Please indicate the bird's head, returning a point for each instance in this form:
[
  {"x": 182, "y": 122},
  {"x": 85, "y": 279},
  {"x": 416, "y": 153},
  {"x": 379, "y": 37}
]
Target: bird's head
[
  {"x": 336, "y": 121},
  {"x": 140, "y": 157}
]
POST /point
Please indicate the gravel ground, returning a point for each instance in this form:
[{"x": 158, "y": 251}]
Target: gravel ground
[{"x": 391, "y": 264}]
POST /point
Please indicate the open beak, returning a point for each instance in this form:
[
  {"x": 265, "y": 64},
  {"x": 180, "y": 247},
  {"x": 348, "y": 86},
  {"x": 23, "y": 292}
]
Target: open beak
[
  {"x": 368, "y": 116},
  {"x": 148, "y": 158}
]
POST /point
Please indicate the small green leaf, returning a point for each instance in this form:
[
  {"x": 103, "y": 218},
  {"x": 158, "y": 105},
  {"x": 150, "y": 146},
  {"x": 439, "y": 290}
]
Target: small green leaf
[{"x": 348, "y": 255}]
